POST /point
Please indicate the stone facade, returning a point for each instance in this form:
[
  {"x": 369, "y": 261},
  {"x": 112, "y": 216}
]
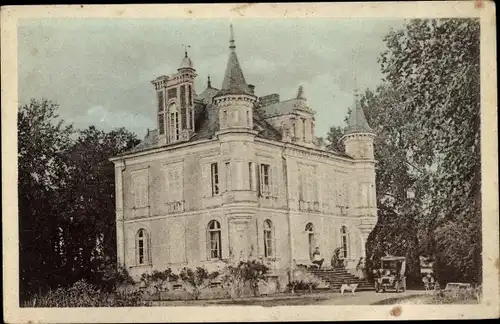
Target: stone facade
[{"x": 246, "y": 180}]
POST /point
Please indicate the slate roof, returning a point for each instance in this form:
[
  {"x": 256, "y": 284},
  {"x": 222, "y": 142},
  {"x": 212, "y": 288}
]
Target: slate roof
[
  {"x": 206, "y": 114},
  {"x": 234, "y": 80},
  {"x": 286, "y": 106},
  {"x": 357, "y": 122}
]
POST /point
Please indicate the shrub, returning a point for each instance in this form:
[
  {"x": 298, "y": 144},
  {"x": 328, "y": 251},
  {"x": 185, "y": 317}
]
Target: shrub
[
  {"x": 244, "y": 274},
  {"x": 83, "y": 294},
  {"x": 158, "y": 279},
  {"x": 196, "y": 280},
  {"x": 303, "y": 280}
]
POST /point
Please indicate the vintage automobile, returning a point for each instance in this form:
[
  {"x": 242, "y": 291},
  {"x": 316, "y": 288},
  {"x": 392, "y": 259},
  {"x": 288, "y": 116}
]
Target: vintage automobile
[{"x": 393, "y": 276}]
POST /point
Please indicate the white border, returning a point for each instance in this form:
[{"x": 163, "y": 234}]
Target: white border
[{"x": 431, "y": 9}]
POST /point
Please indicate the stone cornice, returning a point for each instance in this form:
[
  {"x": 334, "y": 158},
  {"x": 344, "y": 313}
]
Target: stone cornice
[
  {"x": 160, "y": 149},
  {"x": 306, "y": 151},
  {"x": 232, "y": 99}
]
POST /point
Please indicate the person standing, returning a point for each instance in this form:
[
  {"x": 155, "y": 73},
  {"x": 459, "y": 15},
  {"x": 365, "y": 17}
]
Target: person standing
[{"x": 317, "y": 258}]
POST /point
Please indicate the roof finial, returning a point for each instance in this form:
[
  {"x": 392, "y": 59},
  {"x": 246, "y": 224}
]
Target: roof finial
[
  {"x": 356, "y": 89},
  {"x": 185, "y": 50},
  {"x": 231, "y": 38},
  {"x": 300, "y": 93},
  {"x": 209, "y": 83}
]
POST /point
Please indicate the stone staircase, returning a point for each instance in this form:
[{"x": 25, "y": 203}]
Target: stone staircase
[{"x": 336, "y": 277}]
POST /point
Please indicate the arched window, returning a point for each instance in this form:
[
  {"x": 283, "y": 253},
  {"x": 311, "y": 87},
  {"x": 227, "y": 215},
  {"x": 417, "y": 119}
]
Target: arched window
[
  {"x": 268, "y": 239},
  {"x": 214, "y": 237},
  {"x": 345, "y": 242},
  {"x": 311, "y": 239},
  {"x": 142, "y": 247},
  {"x": 173, "y": 122}
]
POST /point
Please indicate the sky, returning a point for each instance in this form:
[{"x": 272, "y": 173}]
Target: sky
[{"x": 99, "y": 71}]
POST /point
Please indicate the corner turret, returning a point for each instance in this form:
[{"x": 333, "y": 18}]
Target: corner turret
[{"x": 359, "y": 136}]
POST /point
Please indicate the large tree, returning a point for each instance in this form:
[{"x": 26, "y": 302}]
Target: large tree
[
  {"x": 66, "y": 198},
  {"x": 426, "y": 116},
  {"x": 434, "y": 65},
  {"x": 43, "y": 140}
]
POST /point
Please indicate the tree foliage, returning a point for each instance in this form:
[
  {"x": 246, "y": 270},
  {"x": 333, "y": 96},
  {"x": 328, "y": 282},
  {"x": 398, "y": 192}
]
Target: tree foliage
[
  {"x": 434, "y": 66},
  {"x": 426, "y": 117},
  {"x": 66, "y": 199}
]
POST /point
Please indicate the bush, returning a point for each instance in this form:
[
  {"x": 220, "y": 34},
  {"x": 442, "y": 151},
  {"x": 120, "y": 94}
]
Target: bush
[
  {"x": 158, "y": 280},
  {"x": 303, "y": 281},
  {"x": 197, "y": 280},
  {"x": 246, "y": 274},
  {"x": 83, "y": 294}
]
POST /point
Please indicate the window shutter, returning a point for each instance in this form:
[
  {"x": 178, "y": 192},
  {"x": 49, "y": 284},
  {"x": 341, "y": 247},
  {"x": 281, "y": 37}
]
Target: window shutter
[
  {"x": 207, "y": 180},
  {"x": 274, "y": 181}
]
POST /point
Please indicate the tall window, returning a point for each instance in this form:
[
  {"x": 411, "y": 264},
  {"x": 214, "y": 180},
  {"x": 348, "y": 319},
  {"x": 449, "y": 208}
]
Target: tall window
[
  {"x": 248, "y": 118},
  {"x": 250, "y": 175},
  {"x": 345, "y": 242},
  {"x": 160, "y": 100},
  {"x": 214, "y": 237},
  {"x": 294, "y": 131},
  {"x": 142, "y": 248},
  {"x": 161, "y": 118},
  {"x": 215, "y": 178},
  {"x": 304, "y": 130},
  {"x": 265, "y": 179},
  {"x": 228, "y": 176},
  {"x": 173, "y": 124},
  {"x": 311, "y": 238},
  {"x": 161, "y": 124},
  {"x": 268, "y": 239}
]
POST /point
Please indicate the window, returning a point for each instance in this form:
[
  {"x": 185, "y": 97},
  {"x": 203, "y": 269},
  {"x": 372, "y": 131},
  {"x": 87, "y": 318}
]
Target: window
[
  {"x": 248, "y": 118},
  {"x": 173, "y": 125},
  {"x": 190, "y": 93},
  {"x": 228, "y": 176},
  {"x": 224, "y": 118},
  {"x": 215, "y": 178},
  {"x": 265, "y": 179},
  {"x": 142, "y": 248},
  {"x": 268, "y": 239},
  {"x": 250, "y": 175},
  {"x": 161, "y": 124},
  {"x": 214, "y": 237},
  {"x": 294, "y": 132},
  {"x": 160, "y": 100},
  {"x": 311, "y": 239},
  {"x": 304, "y": 130},
  {"x": 183, "y": 106},
  {"x": 345, "y": 242}
]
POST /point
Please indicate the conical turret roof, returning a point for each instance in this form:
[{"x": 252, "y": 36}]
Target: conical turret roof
[
  {"x": 234, "y": 80},
  {"x": 357, "y": 121}
]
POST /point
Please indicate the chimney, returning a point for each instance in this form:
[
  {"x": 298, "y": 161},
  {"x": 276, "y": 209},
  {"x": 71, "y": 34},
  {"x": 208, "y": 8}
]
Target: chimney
[
  {"x": 269, "y": 99},
  {"x": 252, "y": 88}
]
